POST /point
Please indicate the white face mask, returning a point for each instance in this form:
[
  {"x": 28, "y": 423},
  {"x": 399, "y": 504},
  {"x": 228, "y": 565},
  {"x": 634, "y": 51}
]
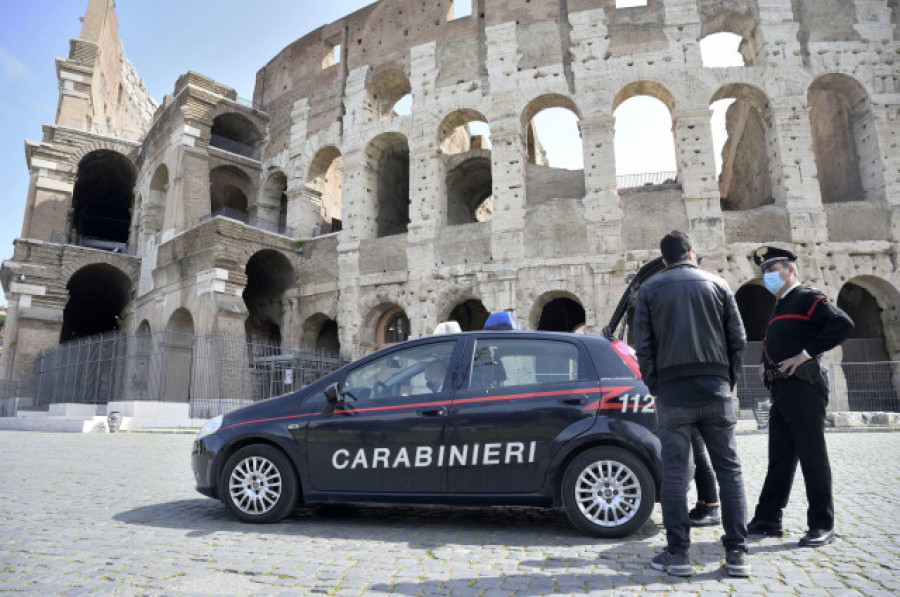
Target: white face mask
[{"x": 773, "y": 282}]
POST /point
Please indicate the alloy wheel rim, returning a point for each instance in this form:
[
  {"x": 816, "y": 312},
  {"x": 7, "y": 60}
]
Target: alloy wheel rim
[
  {"x": 608, "y": 493},
  {"x": 255, "y": 485}
]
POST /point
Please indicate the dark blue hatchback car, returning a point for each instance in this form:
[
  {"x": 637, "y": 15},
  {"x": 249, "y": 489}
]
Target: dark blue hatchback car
[{"x": 498, "y": 417}]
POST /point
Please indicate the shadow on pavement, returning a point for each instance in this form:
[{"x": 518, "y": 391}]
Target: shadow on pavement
[{"x": 420, "y": 526}]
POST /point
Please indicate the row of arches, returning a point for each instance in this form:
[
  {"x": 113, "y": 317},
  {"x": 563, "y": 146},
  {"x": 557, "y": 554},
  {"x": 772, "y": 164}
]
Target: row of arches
[{"x": 844, "y": 142}]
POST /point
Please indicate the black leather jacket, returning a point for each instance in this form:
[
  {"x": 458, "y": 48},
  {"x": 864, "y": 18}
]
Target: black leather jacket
[{"x": 687, "y": 323}]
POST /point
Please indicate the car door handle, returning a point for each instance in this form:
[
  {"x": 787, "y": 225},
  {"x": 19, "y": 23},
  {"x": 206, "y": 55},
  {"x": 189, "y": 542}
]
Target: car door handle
[
  {"x": 438, "y": 411},
  {"x": 577, "y": 400}
]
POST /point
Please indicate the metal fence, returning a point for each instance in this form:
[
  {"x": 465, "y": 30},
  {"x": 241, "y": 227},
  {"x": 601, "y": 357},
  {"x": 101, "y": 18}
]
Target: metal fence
[
  {"x": 215, "y": 373},
  {"x": 852, "y": 387},
  {"x": 629, "y": 181}
]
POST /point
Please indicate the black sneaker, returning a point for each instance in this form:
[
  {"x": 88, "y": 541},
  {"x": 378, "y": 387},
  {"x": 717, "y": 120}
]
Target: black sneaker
[
  {"x": 736, "y": 563},
  {"x": 676, "y": 564},
  {"x": 704, "y": 516}
]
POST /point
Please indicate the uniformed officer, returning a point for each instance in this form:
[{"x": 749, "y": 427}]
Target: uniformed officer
[{"x": 803, "y": 325}]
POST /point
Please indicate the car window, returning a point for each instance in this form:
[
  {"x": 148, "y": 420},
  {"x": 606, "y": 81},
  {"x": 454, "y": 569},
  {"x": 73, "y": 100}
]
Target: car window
[
  {"x": 407, "y": 372},
  {"x": 514, "y": 362}
]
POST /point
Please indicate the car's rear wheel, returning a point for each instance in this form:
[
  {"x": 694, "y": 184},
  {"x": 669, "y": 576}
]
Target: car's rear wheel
[
  {"x": 258, "y": 484},
  {"x": 608, "y": 492}
]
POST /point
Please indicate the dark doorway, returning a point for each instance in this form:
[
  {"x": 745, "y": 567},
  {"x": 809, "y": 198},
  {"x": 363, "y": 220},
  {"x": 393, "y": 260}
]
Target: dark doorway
[
  {"x": 97, "y": 295},
  {"x": 561, "y": 315},
  {"x": 470, "y": 315},
  {"x": 102, "y": 200}
]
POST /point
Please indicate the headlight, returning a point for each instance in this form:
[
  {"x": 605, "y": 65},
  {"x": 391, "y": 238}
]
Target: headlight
[{"x": 210, "y": 427}]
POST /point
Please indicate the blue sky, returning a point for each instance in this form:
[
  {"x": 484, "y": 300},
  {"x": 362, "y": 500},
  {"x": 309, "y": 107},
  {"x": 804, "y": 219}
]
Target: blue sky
[{"x": 228, "y": 40}]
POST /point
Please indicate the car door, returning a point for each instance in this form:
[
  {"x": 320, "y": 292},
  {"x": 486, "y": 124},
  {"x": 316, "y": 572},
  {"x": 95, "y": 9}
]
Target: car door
[
  {"x": 519, "y": 396},
  {"x": 387, "y": 428}
]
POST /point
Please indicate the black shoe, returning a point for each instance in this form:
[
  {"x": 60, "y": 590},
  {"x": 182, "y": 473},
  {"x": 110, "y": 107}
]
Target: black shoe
[
  {"x": 817, "y": 538},
  {"x": 767, "y": 529},
  {"x": 704, "y": 516},
  {"x": 736, "y": 563}
]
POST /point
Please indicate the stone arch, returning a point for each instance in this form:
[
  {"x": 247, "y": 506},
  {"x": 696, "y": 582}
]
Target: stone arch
[
  {"x": 534, "y": 151},
  {"x": 387, "y": 157},
  {"x": 871, "y": 382},
  {"x": 644, "y": 105},
  {"x": 557, "y": 310},
  {"x": 235, "y": 133},
  {"x": 269, "y": 275},
  {"x": 178, "y": 352},
  {"x": 324, "y": 185},
  {"x": 740, "y": 19},
  {"x": 375, "y": 323},
  {"x": 102, "y": 200},
  {"x": 321, "y": 333},
  {"x": 274, "y": 198},
  {"x": 470, "y": 314},
  {"x": 466, "y": 154},
  {"x": 229, "y": 190},
  {"x": 845, "y": 143},
  {"x": 153, "y": 210},
  {"x": 549, "y": 176},
  {"x": 386, "y": 88},
  {"x": 749, "y": 160},
  {"x": 98, "y": 296}
]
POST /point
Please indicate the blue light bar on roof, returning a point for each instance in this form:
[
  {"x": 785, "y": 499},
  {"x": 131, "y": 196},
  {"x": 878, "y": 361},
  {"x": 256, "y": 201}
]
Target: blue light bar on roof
[{"x": 502, "y": 320}]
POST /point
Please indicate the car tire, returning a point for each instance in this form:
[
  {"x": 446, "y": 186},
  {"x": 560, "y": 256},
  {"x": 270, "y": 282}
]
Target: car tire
[
  {"x": 259, "y": 484},
  {"x": 608, "y": 492}
]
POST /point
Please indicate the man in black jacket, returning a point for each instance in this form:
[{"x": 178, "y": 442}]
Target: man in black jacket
[
  {"x": 689, "y": 338},
  {"x": 803, "y": 325}
]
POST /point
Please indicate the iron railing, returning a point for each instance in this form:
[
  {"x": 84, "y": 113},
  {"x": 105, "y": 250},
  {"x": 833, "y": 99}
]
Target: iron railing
[
  {"x": 232, "y": 146},
  {"x": 215, "y": 373},
  {"x": 861, "y": 387},
  {"x": 644, "y": 179}
]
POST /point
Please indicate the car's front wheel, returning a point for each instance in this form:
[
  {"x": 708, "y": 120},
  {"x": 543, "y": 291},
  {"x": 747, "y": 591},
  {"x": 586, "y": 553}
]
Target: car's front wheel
[
  {"x": 608, "y": 492},
  {"x": 258, "y": 484}
]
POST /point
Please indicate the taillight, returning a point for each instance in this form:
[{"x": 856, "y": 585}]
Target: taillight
[{"x": 626, "y": 353}]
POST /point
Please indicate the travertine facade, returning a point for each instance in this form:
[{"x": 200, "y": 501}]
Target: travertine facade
[{"x": 338, "y": 209}]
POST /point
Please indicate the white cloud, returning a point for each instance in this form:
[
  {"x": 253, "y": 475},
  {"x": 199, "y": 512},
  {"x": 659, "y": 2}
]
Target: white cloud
[{"x": 10, "y": 66}]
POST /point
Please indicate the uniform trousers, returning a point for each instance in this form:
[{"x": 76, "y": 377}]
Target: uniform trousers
[{"x": 797, "y": 433}]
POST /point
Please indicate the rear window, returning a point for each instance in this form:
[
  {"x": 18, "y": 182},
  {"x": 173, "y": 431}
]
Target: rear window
[{"x": 500, "y": 362}]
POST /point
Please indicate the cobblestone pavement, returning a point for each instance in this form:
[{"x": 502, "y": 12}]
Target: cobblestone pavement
[{"x": 118, "y": 515}]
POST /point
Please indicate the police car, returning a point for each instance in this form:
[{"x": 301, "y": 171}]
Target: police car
[{"x": 494, "y": 417}]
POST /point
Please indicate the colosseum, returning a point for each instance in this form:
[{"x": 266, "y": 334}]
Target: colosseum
[{"x": 321, "y": 218}]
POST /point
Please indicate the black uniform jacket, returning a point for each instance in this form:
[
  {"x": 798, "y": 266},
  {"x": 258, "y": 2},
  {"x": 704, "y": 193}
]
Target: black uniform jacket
[{"x": 804, "y": 319}]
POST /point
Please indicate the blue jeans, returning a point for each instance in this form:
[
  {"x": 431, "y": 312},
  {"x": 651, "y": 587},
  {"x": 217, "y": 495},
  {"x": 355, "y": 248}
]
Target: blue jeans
[{"x": 715, "y": 420}]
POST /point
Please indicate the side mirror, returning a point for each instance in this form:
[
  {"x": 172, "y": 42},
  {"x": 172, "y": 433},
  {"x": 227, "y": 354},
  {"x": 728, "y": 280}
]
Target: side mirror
[{"x": 332, "y": 397}]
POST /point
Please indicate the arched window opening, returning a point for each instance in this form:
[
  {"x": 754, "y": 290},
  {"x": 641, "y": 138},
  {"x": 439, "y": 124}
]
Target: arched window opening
[
  {"x": 746, "y": 175},
  {"x": 729, "y": 38},
  {"x": 102, "y": 200},
  {"x": 324, "y": 188},
  {"x": 98, "y": 294},
  {"x": 470, "y": 315},
  {"x": 269, "y": 275},
  {"x": 561, "y": 315},
  {"x": 722, "y": 50},
  {"x": 274, "y": 204},
  {"x": 153, "y": 209},
  {"x": 870, "y": 379},
  {"x": 393, "y": 327},
  {"x": 386, "y": 89},
  {"x": 553, "y": 149},
  {"x": 644, "y": 142},
  {"x": 328, "y": 341},
  {"x": 178, "y": 350},
  {"x": 845, "y": 145},
  {"x": 466, "y": 146},
  {"x": 388, "y": 157},
  {"x": 229, "y": 188},
  {"x": 236, "y": 134},
  {"x": 755, "y": 305}
]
